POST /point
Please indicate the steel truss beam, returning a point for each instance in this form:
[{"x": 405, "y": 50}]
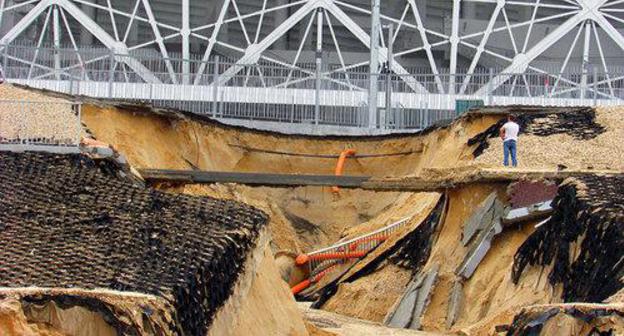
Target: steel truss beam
[{"x": 568, "y": 15}]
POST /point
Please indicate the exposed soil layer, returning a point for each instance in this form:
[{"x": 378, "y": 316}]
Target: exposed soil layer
[
  {"x": 582, "y": 240},
  {"x": 36, "y": 311},
  {"x": 68, "y": 223}
]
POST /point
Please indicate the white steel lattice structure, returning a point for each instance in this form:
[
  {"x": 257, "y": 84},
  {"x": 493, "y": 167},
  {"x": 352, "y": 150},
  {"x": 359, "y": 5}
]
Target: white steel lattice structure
[{"x": 442, "y": 47}]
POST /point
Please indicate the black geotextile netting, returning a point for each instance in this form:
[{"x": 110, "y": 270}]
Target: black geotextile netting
[
  {"x": 599, "y": 319},
  {"x": 66, "y": 221},
  {"x": 580, "y": 123},
  {"x": 588, "y": 208}
]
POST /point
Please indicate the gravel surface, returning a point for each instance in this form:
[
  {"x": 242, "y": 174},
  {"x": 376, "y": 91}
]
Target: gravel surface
[
  {"x": 29, "y": 115},
  {"x": 604, "y": 151}
]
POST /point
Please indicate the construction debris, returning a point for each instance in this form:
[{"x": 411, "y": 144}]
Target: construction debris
[
  {"x": 409, "y": 249},
  {"x": 455, "y": 303},
  {"x": 529, "y": 200},
  {"x": 476, "y": 221},
  {"x": 570, "y": 319},
  {"x": 533, "y": 211},
  {"x": 485, "y": 223},
  {"x": 411, "y": 306},
  {"x": 582, "y": 240},
  {"x": 525, "y": 193}
]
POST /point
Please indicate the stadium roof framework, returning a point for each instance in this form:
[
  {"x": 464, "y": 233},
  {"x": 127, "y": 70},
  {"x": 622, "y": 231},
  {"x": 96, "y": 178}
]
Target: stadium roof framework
[{"x": 521, "y": 36}]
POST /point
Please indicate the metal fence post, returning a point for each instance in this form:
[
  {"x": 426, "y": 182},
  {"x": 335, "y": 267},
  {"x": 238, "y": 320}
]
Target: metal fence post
[
  {"x": 595, "y": 86},
  {"x": 5, "y": 63},
  {"x": 489, "y": 88},
  {"x": 111, "y": 74},
  {"x": 292, "y": 112},
  {"x": 215, "y": 87},
  {"x": 319, "y": 64},
  {"x": 23, "y": 139},
  {"x": 79, "y": 127}
]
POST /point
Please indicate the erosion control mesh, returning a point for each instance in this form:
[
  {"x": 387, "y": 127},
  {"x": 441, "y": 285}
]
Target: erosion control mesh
[
  {"x": 579, "y": 123},
  {"x": 66, "y": 222},
  {"x": 589, "y": 209}
]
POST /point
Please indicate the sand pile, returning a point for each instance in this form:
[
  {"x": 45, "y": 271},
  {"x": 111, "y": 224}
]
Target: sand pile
[
  {"x": 70, "y": 222},
  {"x": 597, "y": 150},
  {"x": 45, "y": 117}
]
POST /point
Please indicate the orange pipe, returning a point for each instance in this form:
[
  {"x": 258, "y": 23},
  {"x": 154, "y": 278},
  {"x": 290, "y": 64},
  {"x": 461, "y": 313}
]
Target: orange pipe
[
  {"x": 340, "y": 165},
  {"x": 304, "y": 258},
  {"x": 296, "y": 289},
  {"x": 355, "y": 244},
  {"x": 338, "y": 255}
]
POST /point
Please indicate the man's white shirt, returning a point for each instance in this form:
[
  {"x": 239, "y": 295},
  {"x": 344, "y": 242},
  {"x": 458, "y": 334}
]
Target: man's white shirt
[{"x": 511, "y": 131}]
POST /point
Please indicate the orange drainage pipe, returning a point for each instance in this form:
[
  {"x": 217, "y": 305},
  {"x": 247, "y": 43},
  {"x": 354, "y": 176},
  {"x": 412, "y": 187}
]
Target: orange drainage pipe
[
  {"x": 296, "y": 289},
  {"x": 302, "y": 259},
  {"x": 353, "y": 246},
  {"x": 340, "y": 165}
]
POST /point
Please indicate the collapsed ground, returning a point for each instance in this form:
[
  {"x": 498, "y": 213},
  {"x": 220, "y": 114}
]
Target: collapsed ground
[{"x": 525, "y": 276}]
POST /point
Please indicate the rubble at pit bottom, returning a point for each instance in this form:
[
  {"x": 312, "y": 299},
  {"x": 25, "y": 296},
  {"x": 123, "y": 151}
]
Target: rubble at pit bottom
[{"x": 68, "y": 222}]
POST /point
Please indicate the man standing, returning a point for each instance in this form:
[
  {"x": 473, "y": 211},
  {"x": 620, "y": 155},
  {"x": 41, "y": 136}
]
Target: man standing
[{"x": 509, "y": 134}]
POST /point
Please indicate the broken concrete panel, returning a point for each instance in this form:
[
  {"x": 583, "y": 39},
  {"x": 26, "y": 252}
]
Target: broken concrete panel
[
  {"x": 482, "y": 243},
  {"x": 402, "y": 314},
  {"x": 424, "y": 296},
  {"x": 455, "y": 303},
  {"x": 410, "y": 308},
  {"x": 533, "y": 211},
  {"x": 471, "y": 227}
]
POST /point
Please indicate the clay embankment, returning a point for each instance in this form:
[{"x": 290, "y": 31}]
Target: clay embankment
[{"x": 302, "y": 218}]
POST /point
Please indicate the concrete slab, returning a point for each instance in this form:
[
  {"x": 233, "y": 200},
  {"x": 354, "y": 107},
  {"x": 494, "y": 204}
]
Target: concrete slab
[
  {"x": 475, "y": 222},
  {"x": 410, "y": 308},
  {"x": 402, "y": 313},
  {"x": 424, "y": 296},
  {"x": 455, "y": 303},
  {"x": 482, "y": 243},
  {"x": 533, "y": 211},
  {"x": 40, "y": 148}
]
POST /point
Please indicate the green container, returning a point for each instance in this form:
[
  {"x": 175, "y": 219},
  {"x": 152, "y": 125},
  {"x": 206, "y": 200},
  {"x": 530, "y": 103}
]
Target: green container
[{"x": 462, "y": 105}]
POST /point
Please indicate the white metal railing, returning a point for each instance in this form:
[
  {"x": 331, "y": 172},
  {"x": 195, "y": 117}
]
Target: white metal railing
[
  {"x": 28, "y": 124},
  {"x": 298, "y": 94},
  {"x": 341, "y": 252}
]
